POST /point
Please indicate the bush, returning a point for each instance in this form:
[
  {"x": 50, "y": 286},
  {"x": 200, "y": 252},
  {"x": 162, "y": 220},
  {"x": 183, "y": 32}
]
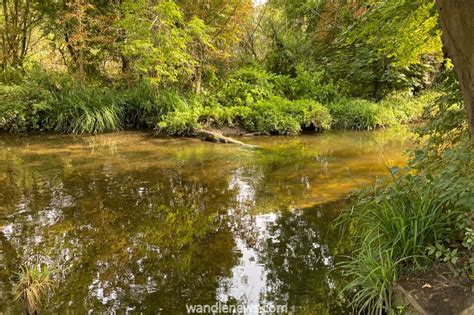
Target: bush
[
  {"x": 249, "y": 85},
  {"x": 280, "y": 116},
  {"x": 306, "y": 84},
  {"x": 218, "y": 116},
  {"x": 274, "y": 116},
  {"x": 245, "y": 87},
  {"x": 406, "y": 107},
  {"x": 361, "y": 114},
  {"x": 179, "y": 123}
]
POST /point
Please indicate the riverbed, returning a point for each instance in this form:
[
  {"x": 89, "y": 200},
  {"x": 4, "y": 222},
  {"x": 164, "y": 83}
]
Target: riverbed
[{"x": 129, "y": 221}]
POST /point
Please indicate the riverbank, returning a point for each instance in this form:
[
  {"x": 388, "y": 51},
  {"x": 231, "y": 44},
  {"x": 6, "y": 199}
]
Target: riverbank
[
  {"x": 437, "y": 291},
  {"x": 46, "y": 101}
]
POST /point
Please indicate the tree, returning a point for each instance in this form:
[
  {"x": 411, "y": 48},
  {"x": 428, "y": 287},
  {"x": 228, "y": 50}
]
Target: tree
[
  {"x": 457, "y": 23},
  {"x": 224, "y": 26},
  {"x": 84, "y": 32},
  {"x": 159, "y": 40},
  {"x": 17, "y": 22}
]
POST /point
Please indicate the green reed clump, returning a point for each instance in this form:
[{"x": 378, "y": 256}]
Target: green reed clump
[
  {"x": 84, "y": 109},
  {"x": 394, "y": 228},
  {"x": 361, "y": 114},
  {"x": 34, "y": 283},
  {"x": 372, "y": 272},
  {"x": 60, "y": 102}
]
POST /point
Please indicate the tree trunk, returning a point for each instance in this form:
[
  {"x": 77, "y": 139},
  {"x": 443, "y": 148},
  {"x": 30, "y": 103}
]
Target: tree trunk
[{"x": 457, "y": 24}]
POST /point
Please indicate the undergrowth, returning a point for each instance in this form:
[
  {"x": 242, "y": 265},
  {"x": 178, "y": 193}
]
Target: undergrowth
[
  {"x": 423, "y": 216},
  {"x": 251, "y": 99}
]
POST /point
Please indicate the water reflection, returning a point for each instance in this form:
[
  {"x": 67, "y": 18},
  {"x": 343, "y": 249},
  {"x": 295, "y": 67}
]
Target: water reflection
[{"x": 131, "y": 222}]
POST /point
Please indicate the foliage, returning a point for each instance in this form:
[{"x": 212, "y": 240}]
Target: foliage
[
  {"x": 361, "y": 114},
  {"x": 142, "y": 107},
  {"x": 407, "y": 108},
  {"x": 403, "y": 219},
  {"x": 60, "y": 103},
  {"x": 158, "y": 37},
  {"x": 33, "y": 285},
  {"x": 245, "y": 87},
  {"x": 216, "y": 116},
  {"x": 280, "y": 116},
  {"x": 375, "y": 271},
  {"x": 179, "y": 123},
  {"x": 306, "y": 84},
  {"x": 426, "y": 213}
]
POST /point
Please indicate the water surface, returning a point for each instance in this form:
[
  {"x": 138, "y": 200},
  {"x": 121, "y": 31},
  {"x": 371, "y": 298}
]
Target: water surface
[{"x": 132, "y": 222}]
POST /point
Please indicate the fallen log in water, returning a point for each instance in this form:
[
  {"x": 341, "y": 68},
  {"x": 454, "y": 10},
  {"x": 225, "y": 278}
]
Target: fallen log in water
[{"x": 217, "y": 137}]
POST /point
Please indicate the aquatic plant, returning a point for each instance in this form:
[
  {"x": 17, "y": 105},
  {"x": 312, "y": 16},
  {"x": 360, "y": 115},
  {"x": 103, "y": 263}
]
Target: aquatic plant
[
  {"x": 62, "y": 103},
  {"x": 33, "y": 285}
]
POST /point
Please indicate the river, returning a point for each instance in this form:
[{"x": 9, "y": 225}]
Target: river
[{"x": 128, "y": 221}]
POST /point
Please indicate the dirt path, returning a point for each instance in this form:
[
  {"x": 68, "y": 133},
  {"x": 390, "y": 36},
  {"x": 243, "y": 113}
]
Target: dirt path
[{"x": 436, "y": 292}]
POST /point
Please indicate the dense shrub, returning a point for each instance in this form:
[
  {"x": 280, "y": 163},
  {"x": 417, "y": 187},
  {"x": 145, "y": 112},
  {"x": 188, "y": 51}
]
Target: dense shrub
[
  {"x": 179, "y": 123},
  {"x": 361, "y": 114},
  {"x": 245, "y": 87},
  {"x": 406, "y": 107},
  {"x": 218, "y": 116},
  {"x": 306, "y": 85},
  {"x": 251, "y": 98},
  {"x": 249, "y": 85},
  {"x": 182, "y": 114},
  {"x": 280, "y": 116}
]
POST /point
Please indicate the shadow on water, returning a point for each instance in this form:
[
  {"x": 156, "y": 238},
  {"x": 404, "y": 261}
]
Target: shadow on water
[{"x": 129, "y": 222}]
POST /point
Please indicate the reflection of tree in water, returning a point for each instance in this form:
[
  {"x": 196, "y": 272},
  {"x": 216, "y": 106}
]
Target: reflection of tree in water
[
  {"x": 286, "y": 257},
  {"x": 119, "y": 240},
  {"x": 299, "y": 257},
  {"x": 150, "y": 224}
]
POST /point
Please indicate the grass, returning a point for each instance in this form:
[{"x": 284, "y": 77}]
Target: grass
[
  {"x": 361, "y": 114},
  {"x": 33, "y": 285},
  {"x": 394, "y": 229},
  {"x": 372, "y": 273}
]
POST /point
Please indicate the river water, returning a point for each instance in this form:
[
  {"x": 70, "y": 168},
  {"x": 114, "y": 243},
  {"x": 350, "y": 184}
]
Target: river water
[{"x": 128, "y": 221}]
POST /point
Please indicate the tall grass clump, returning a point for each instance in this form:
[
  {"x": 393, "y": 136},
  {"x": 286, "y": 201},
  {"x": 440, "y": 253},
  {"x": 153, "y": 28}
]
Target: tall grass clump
[
  {"x": 60, "y": 102},
  {"x": 395, "y": 226},
  {"x": 87, "y": 108},
  {"x": 34, "y": 283},
  {"x": 372, "y": 272},
  {"x": 423, "y": 217},
  {"x": 141, "y": 106},
  {"x": 361, "y": 114},
  {"x": 408, "y": 108}
]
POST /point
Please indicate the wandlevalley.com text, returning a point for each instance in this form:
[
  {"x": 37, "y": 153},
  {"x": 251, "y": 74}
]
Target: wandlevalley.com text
[{"x": 219, "y": 308}]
